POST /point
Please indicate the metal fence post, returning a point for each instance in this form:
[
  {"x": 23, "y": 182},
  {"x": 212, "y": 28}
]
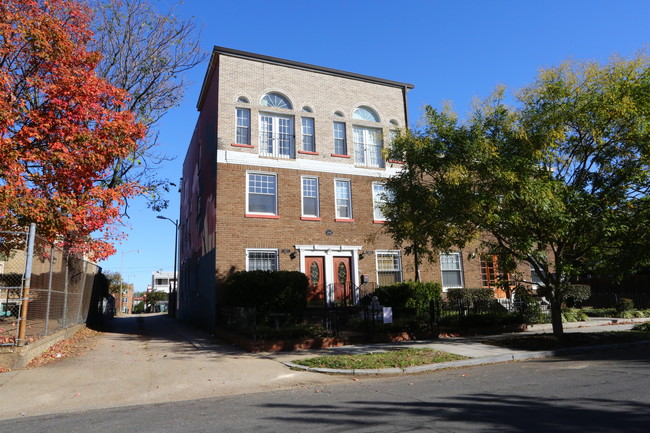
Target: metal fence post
[
  {"x": 65, "y": 290},
  {"x": 27, "y": 282},
  {"x": 83, "y": 289},
  {"x": 49, "y": 292}
]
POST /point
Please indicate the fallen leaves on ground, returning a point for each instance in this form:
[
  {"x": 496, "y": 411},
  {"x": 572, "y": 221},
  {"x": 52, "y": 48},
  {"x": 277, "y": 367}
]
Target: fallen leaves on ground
[{"x": 83, "y": 340}]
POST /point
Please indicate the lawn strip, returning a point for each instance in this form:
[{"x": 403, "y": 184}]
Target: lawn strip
[{"x": 378, "y": 360}]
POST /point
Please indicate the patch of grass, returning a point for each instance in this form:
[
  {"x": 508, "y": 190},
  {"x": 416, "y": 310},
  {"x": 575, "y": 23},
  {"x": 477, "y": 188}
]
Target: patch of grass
[
  {"x": 391, "y": 359},
  {"x": 577, "y": 339},
  {"x": 642, "y": 327}
]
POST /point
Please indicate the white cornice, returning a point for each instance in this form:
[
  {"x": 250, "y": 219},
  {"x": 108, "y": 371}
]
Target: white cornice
[{"x": 250, "y": 159}]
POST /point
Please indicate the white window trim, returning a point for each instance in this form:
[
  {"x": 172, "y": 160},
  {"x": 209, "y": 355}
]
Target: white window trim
[
  {"x": 248, "y": 128},
  {"x": 462, "y": 273},
  {"x": 345, "y": 137},
  {"x": 275, "y": 131},
  {"x": 336, "y": 205},
  {"x": 265, "y": 250},
  {"x": 376, "y": 203},
  {"x": 397, "y": 253},
  {"x": 312, "y": 135},
  {"x": 367, "y": 150},
  {"x": 266, "y": 173},
  {"x": 302, "y": 197}
]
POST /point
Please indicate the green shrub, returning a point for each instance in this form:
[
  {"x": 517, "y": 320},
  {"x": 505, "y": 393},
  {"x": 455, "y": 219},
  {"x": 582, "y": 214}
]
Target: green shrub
[
  {"x": 267, "y": 291},
  {"x": 625, "y": 304},
  {"x": 577, "y": 293},
  {"x": 645, "y": 327},
  {"x": 410, "y": 294},
  {"x": 574, "y": 315},
  {"x": 467, "y": 296},
  {"x": 600, "y": 312}
]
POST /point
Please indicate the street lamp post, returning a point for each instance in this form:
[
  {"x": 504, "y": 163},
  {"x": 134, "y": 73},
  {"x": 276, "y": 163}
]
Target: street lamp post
[{"x": 171, "y": 310}]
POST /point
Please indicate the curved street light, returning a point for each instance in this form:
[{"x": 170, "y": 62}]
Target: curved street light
[{"x": 171, "y": 309}]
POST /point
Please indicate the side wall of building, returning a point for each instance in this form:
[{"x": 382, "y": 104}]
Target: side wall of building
[{"x": 197, "y": 252}]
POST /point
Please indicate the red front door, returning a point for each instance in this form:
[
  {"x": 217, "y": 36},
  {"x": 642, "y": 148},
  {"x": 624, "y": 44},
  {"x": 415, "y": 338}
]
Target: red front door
[
  {"x": 342, "y": 280},
  {"x": 315, "y": 270}
]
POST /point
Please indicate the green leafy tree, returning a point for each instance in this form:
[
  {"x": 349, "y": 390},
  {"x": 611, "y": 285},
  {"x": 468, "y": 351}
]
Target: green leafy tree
[
  {"x": 560, "y": 181},
  {"x": 151, "y": 298},
  {"x": 114, "y": 283}
]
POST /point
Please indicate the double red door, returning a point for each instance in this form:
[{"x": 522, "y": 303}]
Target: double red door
[{"x": 315, "y": 270}]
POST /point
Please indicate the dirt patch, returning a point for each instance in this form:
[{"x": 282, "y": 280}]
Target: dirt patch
[{"x": 84, "y": 340}]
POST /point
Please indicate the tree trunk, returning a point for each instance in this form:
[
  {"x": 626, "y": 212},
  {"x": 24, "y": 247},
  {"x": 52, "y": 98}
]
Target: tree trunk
[
  {"x": 556, "y": 317},
  {"x": 416, "y": 258}
]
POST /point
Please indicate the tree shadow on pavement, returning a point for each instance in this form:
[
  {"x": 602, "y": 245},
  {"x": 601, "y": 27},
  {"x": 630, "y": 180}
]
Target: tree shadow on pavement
[
  {"x": 477, "y": 412},
  {"x": 162, "y": 328}
]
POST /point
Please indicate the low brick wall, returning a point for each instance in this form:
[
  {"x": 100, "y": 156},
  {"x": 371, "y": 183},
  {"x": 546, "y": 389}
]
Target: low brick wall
[{"x": 14, "y": 357}]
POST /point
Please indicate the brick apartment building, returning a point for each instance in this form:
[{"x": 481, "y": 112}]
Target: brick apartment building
[{"x": 285, "y": 171}]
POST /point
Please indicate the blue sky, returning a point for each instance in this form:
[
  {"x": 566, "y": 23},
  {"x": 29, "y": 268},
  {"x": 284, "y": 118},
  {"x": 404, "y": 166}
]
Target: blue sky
[{"x": 452, "y": 51}]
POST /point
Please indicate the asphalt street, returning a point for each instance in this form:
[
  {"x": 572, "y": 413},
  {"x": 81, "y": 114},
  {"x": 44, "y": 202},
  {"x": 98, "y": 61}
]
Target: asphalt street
[{"x": 604, "y": 391}]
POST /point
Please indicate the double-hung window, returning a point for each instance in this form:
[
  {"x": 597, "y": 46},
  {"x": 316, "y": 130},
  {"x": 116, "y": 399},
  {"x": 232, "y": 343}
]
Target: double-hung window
[
  {"x": 243, "y": 126},
  {"x": 261, "y": 189},
  {"x": 452, "y": 272},
  {"x": 310, "y": 197},
  {"x": 340, "y": 144},
  {"x": 308, "y": 141},
  {"x": 276, "y": 136},
  {"x": 343, "y": 199},
  {"x": 261, "y": 260},
  {"x": 367, "y": 147},
  {"x": 389, "y": 267},
  {"x": 380, "y": 195}
]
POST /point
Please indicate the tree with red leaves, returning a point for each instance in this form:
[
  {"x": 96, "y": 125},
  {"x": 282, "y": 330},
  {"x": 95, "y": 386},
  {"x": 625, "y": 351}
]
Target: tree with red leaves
[{"x": 61, "y": 128}]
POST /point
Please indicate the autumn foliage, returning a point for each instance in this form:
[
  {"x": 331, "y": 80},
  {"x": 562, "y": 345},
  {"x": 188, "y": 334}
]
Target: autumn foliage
[{"x": 61, "y": 128}]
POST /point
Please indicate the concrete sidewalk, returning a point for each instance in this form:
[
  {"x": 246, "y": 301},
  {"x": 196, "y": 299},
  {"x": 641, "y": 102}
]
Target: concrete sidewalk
[
  {"x": 152, "y": 359},
  {"x": 155, "y": 359},
  {"x": 473, "y": 348}
]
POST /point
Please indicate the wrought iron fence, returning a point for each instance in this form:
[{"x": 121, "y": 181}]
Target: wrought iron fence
[
  {"x": 610, "y": 300},
  {"x": 43, "y": 289}
]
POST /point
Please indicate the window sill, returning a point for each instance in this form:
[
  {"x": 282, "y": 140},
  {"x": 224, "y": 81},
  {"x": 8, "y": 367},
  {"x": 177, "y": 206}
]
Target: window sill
[
  {"x": 307, "y": 152},
  {"x": 247, "y": 146},
  {"x": 310, "y": 218},
  {"x": 394, "y": 161},
  {"x": 273, "y": 217},
  {"x": 336, "y": 155},
  {"x": 379, "y": 222},
  {"x": 344, "y": 220}
]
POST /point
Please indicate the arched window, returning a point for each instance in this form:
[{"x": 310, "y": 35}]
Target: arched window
[
  {"x": 338, "y": 114},
  {"x": 394, "y": 122},
  {"x": 365, "y": 113},
  {"x": 242, "y": 100},
  {"x": 275, "y": 100},
  {"x": 307, "y": 109}
]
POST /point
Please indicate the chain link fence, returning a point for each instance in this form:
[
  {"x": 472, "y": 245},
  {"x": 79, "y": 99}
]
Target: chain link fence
[{"x": 48, "y": 290}]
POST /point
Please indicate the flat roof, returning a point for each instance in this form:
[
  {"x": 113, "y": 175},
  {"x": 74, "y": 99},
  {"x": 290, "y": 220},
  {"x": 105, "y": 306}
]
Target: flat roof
[{"x": 291, "y": 64}]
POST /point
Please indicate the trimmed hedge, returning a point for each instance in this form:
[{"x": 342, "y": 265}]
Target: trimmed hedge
[
  {"x": 576, "y": 293},
  {"x": 466, "y": 296},
  {"x": 410, "y": 294},
  {"x": 267, "y": 291}
]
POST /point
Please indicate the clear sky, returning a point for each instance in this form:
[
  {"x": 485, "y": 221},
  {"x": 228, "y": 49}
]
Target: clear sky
[{"x": 452, "y": 51}]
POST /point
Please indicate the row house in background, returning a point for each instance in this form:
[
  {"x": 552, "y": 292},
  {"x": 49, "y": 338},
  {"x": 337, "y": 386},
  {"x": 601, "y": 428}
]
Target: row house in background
[{"x": 286, "y": 171}]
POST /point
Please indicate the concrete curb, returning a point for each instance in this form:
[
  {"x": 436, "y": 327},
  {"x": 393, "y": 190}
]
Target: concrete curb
[{"x": 468, "y": 362}]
